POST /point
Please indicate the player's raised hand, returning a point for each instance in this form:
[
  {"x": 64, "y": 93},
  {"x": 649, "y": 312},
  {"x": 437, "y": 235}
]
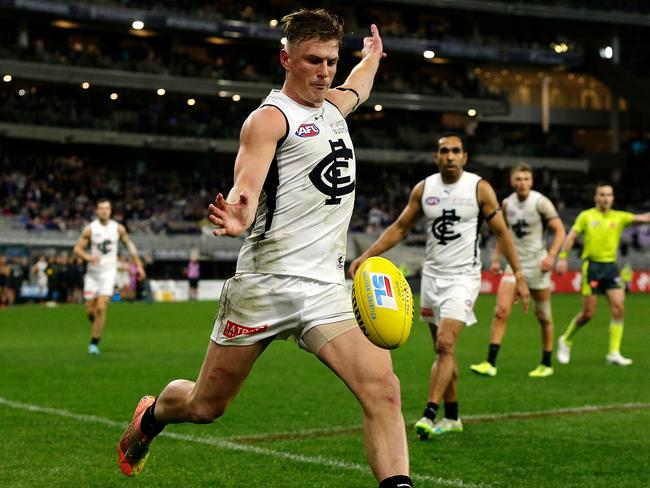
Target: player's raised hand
[
  {"x": 231, "y": 218},
  {"x": 372, "y": 45}
]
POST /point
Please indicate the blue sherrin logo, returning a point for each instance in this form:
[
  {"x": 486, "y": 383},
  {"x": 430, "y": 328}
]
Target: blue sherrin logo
[
  {"x": 307, "y": 130},
  {"x": 382, "y": 287}
]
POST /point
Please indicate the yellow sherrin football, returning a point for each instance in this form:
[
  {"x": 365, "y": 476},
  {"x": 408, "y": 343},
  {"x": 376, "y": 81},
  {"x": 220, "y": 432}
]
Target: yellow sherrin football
[{"x": 382, "y": 303}]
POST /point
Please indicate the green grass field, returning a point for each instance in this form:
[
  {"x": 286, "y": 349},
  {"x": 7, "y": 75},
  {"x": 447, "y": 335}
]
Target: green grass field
[{"x": 295, "y": 425}]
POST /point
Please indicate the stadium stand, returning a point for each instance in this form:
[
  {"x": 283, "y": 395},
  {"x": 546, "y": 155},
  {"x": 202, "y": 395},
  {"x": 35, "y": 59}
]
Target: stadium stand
[{"x": 537, "y": 91}]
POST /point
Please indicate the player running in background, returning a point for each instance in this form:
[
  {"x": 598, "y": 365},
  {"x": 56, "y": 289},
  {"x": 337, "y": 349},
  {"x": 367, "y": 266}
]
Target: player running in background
[
  {"x": 602, "y": 228},
  {"x": 454, "y": 202},
  {"x": 102, "y": 235},
  {"x": 528, "y": 214},
  {"x": 295, "y": 180}
]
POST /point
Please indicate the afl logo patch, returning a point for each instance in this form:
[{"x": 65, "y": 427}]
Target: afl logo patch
[
  {"x": 432, "y": 201},
  {"x": 307, "y": 130}
]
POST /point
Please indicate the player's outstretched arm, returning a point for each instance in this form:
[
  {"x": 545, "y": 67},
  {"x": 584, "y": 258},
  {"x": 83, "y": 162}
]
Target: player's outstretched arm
[
  {"x": 396, "y": 231},
  {"x": 82, "y": 244},
  {"x": 643, "y": 218},
  {"x": 133, "y": 251},
  {"x": 360, "y": 80},
  {"x": 257, "y": 143},
  {"x": 492, "y": 214}
]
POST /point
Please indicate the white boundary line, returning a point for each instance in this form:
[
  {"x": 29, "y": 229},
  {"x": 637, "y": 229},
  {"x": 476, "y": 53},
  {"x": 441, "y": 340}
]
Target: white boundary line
[
  {"x": 226, "y": 444},
  {"x": 468, "y": 419}
]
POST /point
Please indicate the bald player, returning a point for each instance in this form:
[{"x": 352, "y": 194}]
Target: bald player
[{"x": 454, "y": 203}]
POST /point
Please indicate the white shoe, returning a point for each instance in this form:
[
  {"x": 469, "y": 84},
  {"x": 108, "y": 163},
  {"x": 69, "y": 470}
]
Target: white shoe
[
  {"x": 617, "y": 359},
  {"x": 445, "y": 425},
  {"x": 563, "y": 353},
  {"x": 93, "y": 349}
]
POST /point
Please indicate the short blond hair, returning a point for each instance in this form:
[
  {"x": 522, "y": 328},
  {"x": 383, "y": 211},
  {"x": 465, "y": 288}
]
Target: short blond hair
[
  {"x": 312, "y": 24},
  {"x": 524, "y": 167}
]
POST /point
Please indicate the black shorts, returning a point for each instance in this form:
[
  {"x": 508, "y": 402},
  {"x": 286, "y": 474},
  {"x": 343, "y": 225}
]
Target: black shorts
[
  {"x": 600, "y": 277},
  {"x": 194, "y": 282}
]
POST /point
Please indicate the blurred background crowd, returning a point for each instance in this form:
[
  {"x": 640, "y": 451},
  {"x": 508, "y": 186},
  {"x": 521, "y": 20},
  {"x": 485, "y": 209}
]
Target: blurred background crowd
[{"x": 141, "y": 101}]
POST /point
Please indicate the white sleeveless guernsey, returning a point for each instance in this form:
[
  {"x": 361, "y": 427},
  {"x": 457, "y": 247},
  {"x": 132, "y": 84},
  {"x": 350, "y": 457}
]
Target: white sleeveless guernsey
[
  {"x": 307, "y": 201},
  {"x": 527, "y": 221},
  {"x": 452, "y": 218},
  {"x": 103, "y": 243}
]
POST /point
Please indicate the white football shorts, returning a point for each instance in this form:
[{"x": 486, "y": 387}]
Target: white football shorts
[
  {"x": 254, "y": 307},
  {"x": 99, "y": 283},
  {"x": 535, "y": 278},
  {"x": 449, "y": 297}
]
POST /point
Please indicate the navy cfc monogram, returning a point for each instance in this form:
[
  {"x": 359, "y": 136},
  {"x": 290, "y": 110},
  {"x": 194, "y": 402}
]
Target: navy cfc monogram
[
  {"x": 443, "y": 227},
  {"x": 326, "y": 175},
  {"x": 519, "y": 228}
]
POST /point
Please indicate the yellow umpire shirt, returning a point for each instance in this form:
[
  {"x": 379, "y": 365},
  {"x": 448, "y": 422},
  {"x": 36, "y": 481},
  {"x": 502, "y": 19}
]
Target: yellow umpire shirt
[{"x": 602, "y": 233}]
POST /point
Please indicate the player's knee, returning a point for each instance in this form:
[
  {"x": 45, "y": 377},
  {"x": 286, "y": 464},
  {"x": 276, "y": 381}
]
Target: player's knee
[
  {"x": 542, "y": 318},
  {"x": 381, "y": 392},
  {"x": 207, "y": 412},
  {"x": 543, "y": 312},
  {"x": 501, "y": 313},
  {"x": 455, "y": 374},
  {"x": 445, "y": 345},
  {"x": 617, "y": 311}
]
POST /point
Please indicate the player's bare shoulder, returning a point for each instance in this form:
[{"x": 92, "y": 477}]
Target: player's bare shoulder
[
  {"x": 84, "y": 237},
  {"x": 417, "y": 192},
  {"x": 122, "y": 232},
  {"x": 486, "y": 194},
  {"x": 265, "y": 123}
]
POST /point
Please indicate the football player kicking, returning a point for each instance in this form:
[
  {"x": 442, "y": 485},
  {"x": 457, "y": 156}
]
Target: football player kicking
[{"x": 290, "y": 279}]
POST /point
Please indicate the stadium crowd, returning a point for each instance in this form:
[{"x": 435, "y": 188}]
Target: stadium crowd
[
  {"x": 56, "y": 105},
  {"x": 153, "y": 193},
  {"x": 202, "y": 60},
  {"x": 57, "y": 277},
  {"x": 59, "y": 193}
]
